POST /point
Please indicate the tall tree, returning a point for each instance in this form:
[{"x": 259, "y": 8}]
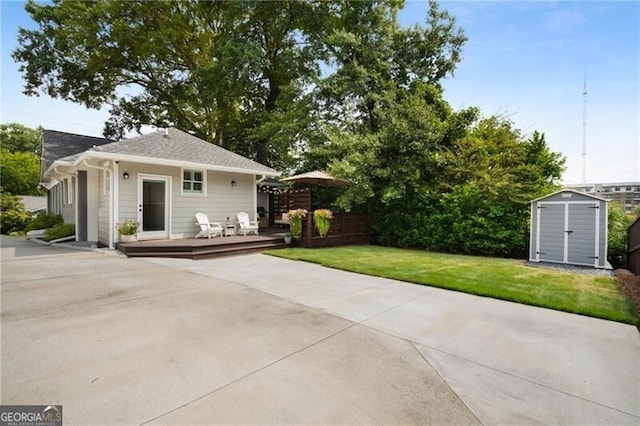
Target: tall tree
[
  {"x": 384, "y": 120},
  {"x": 223, "y": 70},
  {"x": 374, "y": 58},
  {"x": 244, "y": 75}
]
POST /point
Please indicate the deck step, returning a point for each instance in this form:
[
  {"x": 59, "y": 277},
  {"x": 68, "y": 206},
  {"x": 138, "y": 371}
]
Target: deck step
[{"x": 201, "y": 252}]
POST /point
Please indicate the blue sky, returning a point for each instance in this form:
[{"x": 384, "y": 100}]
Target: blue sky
[{"x": 523, "y": 60}]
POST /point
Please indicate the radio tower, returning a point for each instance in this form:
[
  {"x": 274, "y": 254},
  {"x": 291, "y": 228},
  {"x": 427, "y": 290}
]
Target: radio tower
[{"x": 584, "y": 130}]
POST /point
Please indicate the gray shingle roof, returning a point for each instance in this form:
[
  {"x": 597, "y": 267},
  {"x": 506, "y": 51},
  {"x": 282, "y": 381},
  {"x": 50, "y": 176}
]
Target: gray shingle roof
[
  {"x": 33, "y": 203},
  {"x": 57, "y": 145},
  {"x": 177, "y": 145}
]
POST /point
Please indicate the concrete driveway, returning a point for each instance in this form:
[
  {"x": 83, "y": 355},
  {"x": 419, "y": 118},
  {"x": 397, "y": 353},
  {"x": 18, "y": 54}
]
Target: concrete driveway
[
  {"x": 509, "y": 363},
  {"x": 255, "y": 339}
]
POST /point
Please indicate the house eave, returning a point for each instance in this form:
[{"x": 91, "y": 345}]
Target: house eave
[
  {"x": 158, "y": 162},
  {"x": 52, "y": 170}
]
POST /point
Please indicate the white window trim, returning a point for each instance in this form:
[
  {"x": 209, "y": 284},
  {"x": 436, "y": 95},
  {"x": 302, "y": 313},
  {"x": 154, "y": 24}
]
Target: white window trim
[
  {"x": 70, "y": 190},
  {"x": 66, "y": 193},
  {"x": 191, "y": 193}
]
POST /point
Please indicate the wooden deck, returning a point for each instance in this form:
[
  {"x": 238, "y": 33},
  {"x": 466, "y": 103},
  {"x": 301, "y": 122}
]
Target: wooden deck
[{"x": 204, "y": 248}]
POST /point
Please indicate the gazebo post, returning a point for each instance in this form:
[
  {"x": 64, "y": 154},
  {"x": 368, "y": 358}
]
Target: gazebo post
[{"x": 308, "y": 240}]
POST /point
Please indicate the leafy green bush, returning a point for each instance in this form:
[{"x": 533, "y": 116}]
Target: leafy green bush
[
  {"x": 58, "y": 231},
  {"x": 458, "y": 185},
  {"x": 129, "y": 227},
  {"x": 467, "y": 220},
  {"x": 13, "y": 216},
  {"x": 619, "y": 221},
  {"x": 44, "y": 220}
]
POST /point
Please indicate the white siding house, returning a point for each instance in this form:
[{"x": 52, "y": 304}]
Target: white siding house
[{"x": 160, "y": 179}]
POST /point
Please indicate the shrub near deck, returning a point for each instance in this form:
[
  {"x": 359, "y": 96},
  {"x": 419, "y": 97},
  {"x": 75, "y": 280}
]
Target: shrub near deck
[{"x": 506, "y": 279}]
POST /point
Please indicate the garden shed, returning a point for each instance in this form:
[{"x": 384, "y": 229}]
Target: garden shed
[{"x": 569, "y": 227}]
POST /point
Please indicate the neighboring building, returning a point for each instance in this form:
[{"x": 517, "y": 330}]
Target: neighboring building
[
  {"x": 626, "y": 194},
  {"x": 34, "y": 204},
  {"x": 161, "y": 179},
  {"x": 569, "y": 227}
]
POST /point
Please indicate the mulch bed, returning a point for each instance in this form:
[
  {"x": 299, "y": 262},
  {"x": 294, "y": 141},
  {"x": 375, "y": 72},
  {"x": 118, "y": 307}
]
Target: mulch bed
[{"x": 631, "y": 286}]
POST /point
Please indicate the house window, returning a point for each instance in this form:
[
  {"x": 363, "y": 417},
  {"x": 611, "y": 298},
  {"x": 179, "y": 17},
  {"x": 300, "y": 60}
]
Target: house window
[
  {"x": 68, "y": 188},
  {"x": 106, "y": 182},
  {"x": 194, "y": 182}
]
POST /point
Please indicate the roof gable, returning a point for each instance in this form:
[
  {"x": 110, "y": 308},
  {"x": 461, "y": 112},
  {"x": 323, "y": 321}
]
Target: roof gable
[
  {"x": 176, "y": 145},
  {"x": 570, "y": 191},
  {"x": 57, "y": 145}
]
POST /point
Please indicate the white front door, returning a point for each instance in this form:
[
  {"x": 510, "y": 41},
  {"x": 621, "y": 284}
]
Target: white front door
[{"x": 154, "y": 206}]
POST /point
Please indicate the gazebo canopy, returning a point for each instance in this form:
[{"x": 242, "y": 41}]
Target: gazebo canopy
[{"x": 317, "y": 178}]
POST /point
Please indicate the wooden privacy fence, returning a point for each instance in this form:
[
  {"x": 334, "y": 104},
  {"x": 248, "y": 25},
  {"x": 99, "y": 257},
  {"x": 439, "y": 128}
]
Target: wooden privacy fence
[
  {"x": 346, "y": 228},
  {"x": 633, "y": 251},
  {"x": 288, "y": 200}
]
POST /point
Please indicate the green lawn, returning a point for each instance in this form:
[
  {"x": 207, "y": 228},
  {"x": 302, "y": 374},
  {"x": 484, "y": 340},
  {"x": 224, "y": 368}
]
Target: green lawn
[{"x": 506, "y": 279}]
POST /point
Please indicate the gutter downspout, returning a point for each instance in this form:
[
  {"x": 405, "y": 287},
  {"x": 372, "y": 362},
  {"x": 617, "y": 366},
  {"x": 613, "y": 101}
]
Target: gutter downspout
[
  {"x": 115, "y": 193},
  {"x": 255, "y": 198},
  {"x": 111, "y": 197}
]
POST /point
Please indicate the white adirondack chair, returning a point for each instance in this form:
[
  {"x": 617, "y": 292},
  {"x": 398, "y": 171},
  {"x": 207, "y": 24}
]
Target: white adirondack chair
[
  {"x": 207, "y": 229},
  {"x": 246, "y": 226},
  {"x": 283, "y": 221}
]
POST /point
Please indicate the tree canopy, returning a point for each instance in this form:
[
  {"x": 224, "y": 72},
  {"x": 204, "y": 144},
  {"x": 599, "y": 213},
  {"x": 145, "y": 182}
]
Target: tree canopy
[
  {"x": 18, "y": 138},
  {"x": 226, "y": 71},
  {"x": 20, "y": 159},
  {"x": 244, "y": 75}
]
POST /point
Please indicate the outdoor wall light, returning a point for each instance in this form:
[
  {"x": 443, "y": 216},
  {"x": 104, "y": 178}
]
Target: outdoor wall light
[
  {"x": 125, "y": 175},
  {"x": 233, "y": 183}
]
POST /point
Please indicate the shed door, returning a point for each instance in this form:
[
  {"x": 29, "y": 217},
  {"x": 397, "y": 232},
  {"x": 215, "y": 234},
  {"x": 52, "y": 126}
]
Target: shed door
[
  {"x": 551, "y": 232},
  {"x": 581, "y": 245},
  {"x": 568, "y": 232}
]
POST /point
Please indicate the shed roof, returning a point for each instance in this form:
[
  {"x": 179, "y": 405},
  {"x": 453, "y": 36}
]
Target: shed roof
[{"x": 572, "y": 191}]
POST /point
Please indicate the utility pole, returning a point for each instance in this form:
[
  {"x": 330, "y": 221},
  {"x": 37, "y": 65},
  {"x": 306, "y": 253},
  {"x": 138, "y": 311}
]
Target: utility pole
[{"x": 584, "y": 130}]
